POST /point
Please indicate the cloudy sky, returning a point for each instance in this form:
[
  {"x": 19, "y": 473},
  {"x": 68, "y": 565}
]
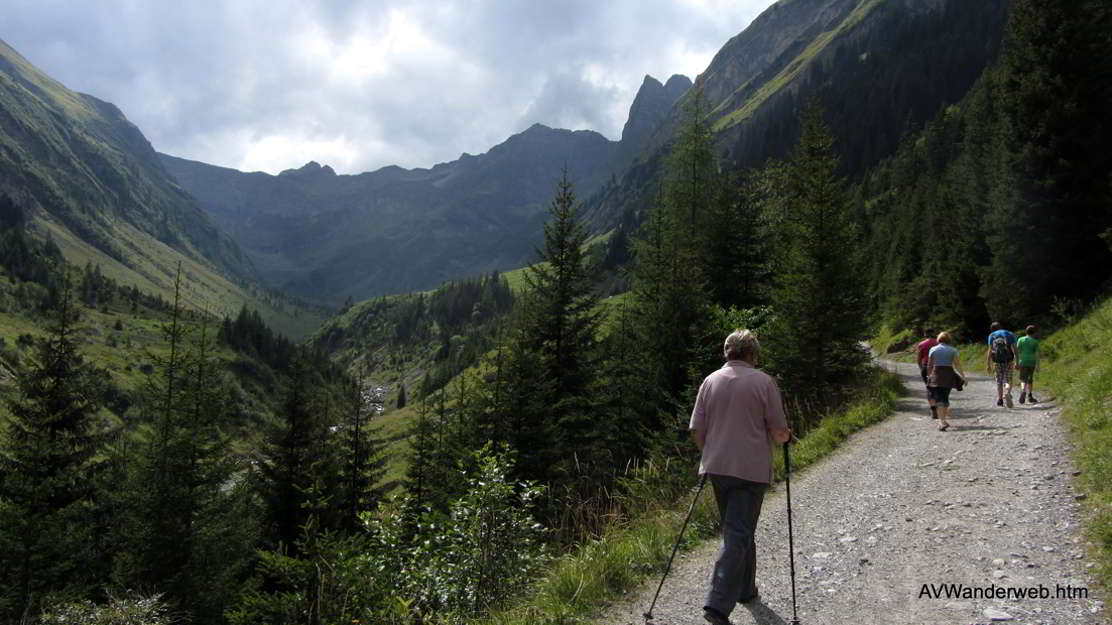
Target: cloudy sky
[{"x": 271, "y": 84}]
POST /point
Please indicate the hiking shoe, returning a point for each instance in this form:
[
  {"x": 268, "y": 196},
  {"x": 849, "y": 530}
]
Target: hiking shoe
[
  {"x": 1008, "y": 400},
  {"x": 714, "y": 617},
  {"x": 1023, "y": 398},
  {"x": 1031, "y": 399},
  {"x": 1000, "y": 402}
]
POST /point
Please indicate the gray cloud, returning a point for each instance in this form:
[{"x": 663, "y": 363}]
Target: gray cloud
[{"x": 270, "y": 84}]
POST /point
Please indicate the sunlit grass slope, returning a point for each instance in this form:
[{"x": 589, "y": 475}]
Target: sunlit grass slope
[{"x": 1077, "y": 367}]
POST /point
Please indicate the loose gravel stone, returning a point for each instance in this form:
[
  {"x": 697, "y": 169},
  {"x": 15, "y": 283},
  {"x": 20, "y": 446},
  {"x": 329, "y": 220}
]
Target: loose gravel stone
[{"x": 994, "y": 614}]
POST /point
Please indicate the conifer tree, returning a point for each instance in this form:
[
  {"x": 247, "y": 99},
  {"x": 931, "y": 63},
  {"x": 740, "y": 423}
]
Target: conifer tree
[
  {"x": 736, "y": 250},
  {"x": 298, "y": 467},
  {"x": 183, "y": 531},
  {"x": 363, "y": 462},
  {"x": 620, "y": 401},
  {"x": 160, "y": 506},
  {"x": 661, "y": 307},
  {"x": 560, "y": 324},
  {"x": 46, "y": 463},
  {"x": 423, "y": 451},
  {"x": 818, "y": 300}
]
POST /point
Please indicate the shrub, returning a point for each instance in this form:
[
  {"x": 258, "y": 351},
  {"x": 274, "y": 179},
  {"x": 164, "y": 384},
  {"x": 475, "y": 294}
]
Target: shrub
[
  {"x": 408, "y": 566},
  {"x": 131, "y": 611}
]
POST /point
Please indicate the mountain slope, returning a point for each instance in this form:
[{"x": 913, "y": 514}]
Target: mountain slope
[
  {"x": 327, "y": 237},
  {"x": 878, "y": 68},
  {"x": 91, "y": 180}
]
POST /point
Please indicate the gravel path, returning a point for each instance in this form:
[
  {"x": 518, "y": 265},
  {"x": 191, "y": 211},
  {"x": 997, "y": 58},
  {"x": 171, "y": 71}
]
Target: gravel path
[{"x": 902, "y": 506}]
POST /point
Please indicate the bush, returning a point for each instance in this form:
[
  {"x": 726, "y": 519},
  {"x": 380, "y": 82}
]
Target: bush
[
  {"x": 408, "y": 567},
  {"x": 134, "y": 611}
]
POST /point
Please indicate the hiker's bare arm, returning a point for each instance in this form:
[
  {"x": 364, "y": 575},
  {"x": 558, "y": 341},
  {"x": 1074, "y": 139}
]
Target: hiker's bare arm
[
  {"x": 781, "y": 435},
  {"x": 700, "y": 438}
]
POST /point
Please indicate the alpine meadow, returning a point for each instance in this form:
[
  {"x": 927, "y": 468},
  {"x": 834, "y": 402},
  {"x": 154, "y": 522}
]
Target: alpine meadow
[{"x": 465, "y": 393}]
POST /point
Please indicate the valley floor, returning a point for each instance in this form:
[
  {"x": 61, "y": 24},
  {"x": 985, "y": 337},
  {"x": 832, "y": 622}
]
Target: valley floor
[{"x": 902, "y": 509}]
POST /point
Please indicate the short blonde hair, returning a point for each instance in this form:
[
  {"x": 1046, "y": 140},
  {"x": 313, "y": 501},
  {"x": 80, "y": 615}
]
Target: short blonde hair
[
  {"x": 944, "y": 337},
  {"x": 741, "y": 345}
]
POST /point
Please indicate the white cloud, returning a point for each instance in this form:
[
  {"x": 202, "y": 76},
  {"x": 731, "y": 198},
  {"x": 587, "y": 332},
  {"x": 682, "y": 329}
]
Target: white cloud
[{"x": 271, "y": 84}]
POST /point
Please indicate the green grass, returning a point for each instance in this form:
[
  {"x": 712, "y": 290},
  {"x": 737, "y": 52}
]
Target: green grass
[
  {"x": 1075, "y": 364},
  {"x": 890, "y": 342},
  {"x": 578, "y": 584}
]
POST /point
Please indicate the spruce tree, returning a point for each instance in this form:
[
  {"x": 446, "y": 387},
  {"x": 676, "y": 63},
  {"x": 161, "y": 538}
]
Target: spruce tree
[
  {"x": 700, "y": 245},
  {"x": 736, "y": 250},
  {"x": 183, "y": 529},
  {"x": 560, "y": 324},
  {"x": 299, "y": 466},
  {"x": 46, "y": 464},
  {"x": 818, "y": 300},
  {"x": 363, "y": 464}
]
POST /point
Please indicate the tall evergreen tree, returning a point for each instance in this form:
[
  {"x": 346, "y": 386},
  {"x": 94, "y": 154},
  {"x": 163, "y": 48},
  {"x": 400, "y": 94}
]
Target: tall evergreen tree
[
  {"x": 46, "y": 462},
  {"x": 299, "y": 462},
  {"x": 736, "y": 249},
  {"x": 560, "y": 323},
  {"x": 669, "y": 279},
  {"x": 183, "y": 530},
  {"x": 818, "y": 301},
  {"x": 363, "y": 462}
]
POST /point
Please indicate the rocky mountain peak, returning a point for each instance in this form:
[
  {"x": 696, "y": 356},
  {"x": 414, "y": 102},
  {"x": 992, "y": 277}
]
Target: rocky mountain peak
[
  {"x": 309, "y": 169},
  {"x": 676, "y": 86},
  {"x": 650, "y": 107}
]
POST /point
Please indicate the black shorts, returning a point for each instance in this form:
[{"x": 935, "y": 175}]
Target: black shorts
[
  {"x": 1026, "y": 374},
  {"x": 923, "y": 373},
  {"x": 940, "y": 394}
]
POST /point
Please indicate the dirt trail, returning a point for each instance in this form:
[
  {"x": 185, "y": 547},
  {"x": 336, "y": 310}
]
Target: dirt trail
[{"x": 901, "y": 507}]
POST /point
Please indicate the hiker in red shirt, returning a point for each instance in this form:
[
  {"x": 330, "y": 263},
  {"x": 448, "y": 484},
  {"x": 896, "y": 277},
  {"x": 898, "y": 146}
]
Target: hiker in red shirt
[{"x": 924, "y": 349}]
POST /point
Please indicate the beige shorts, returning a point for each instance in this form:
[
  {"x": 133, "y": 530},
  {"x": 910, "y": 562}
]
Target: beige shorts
[{"x": 1004, "y": 372}]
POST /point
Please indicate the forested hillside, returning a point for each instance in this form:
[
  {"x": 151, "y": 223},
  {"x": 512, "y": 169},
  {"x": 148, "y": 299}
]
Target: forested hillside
[
  {"x": 1001, "y": 208},
  {"x": 420, "y": 341}
]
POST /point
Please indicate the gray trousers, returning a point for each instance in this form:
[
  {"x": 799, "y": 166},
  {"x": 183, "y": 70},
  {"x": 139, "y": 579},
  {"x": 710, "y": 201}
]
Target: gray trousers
[{"x": 735, "y": 571}]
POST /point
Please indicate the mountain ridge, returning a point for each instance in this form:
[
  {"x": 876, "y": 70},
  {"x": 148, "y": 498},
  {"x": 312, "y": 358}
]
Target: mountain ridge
[{"x": 327, "y": 236}]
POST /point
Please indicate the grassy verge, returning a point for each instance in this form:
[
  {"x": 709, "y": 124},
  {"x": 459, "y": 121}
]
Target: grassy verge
[
  {"x": 1076, "y": 366},
  {"x": 580, "y": 583}
]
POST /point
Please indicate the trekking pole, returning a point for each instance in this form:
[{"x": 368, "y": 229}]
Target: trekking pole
[
  {"x": 791, "y": 541},
  {"x": 702, "y": 482}
]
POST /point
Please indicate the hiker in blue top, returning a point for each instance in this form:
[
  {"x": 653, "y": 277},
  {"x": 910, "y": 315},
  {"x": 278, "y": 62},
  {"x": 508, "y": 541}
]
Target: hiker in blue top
[{"x": 1001, "y": 355}]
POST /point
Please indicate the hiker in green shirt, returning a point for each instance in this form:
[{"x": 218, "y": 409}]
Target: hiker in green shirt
[{"x": 1027, "y": 356}]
